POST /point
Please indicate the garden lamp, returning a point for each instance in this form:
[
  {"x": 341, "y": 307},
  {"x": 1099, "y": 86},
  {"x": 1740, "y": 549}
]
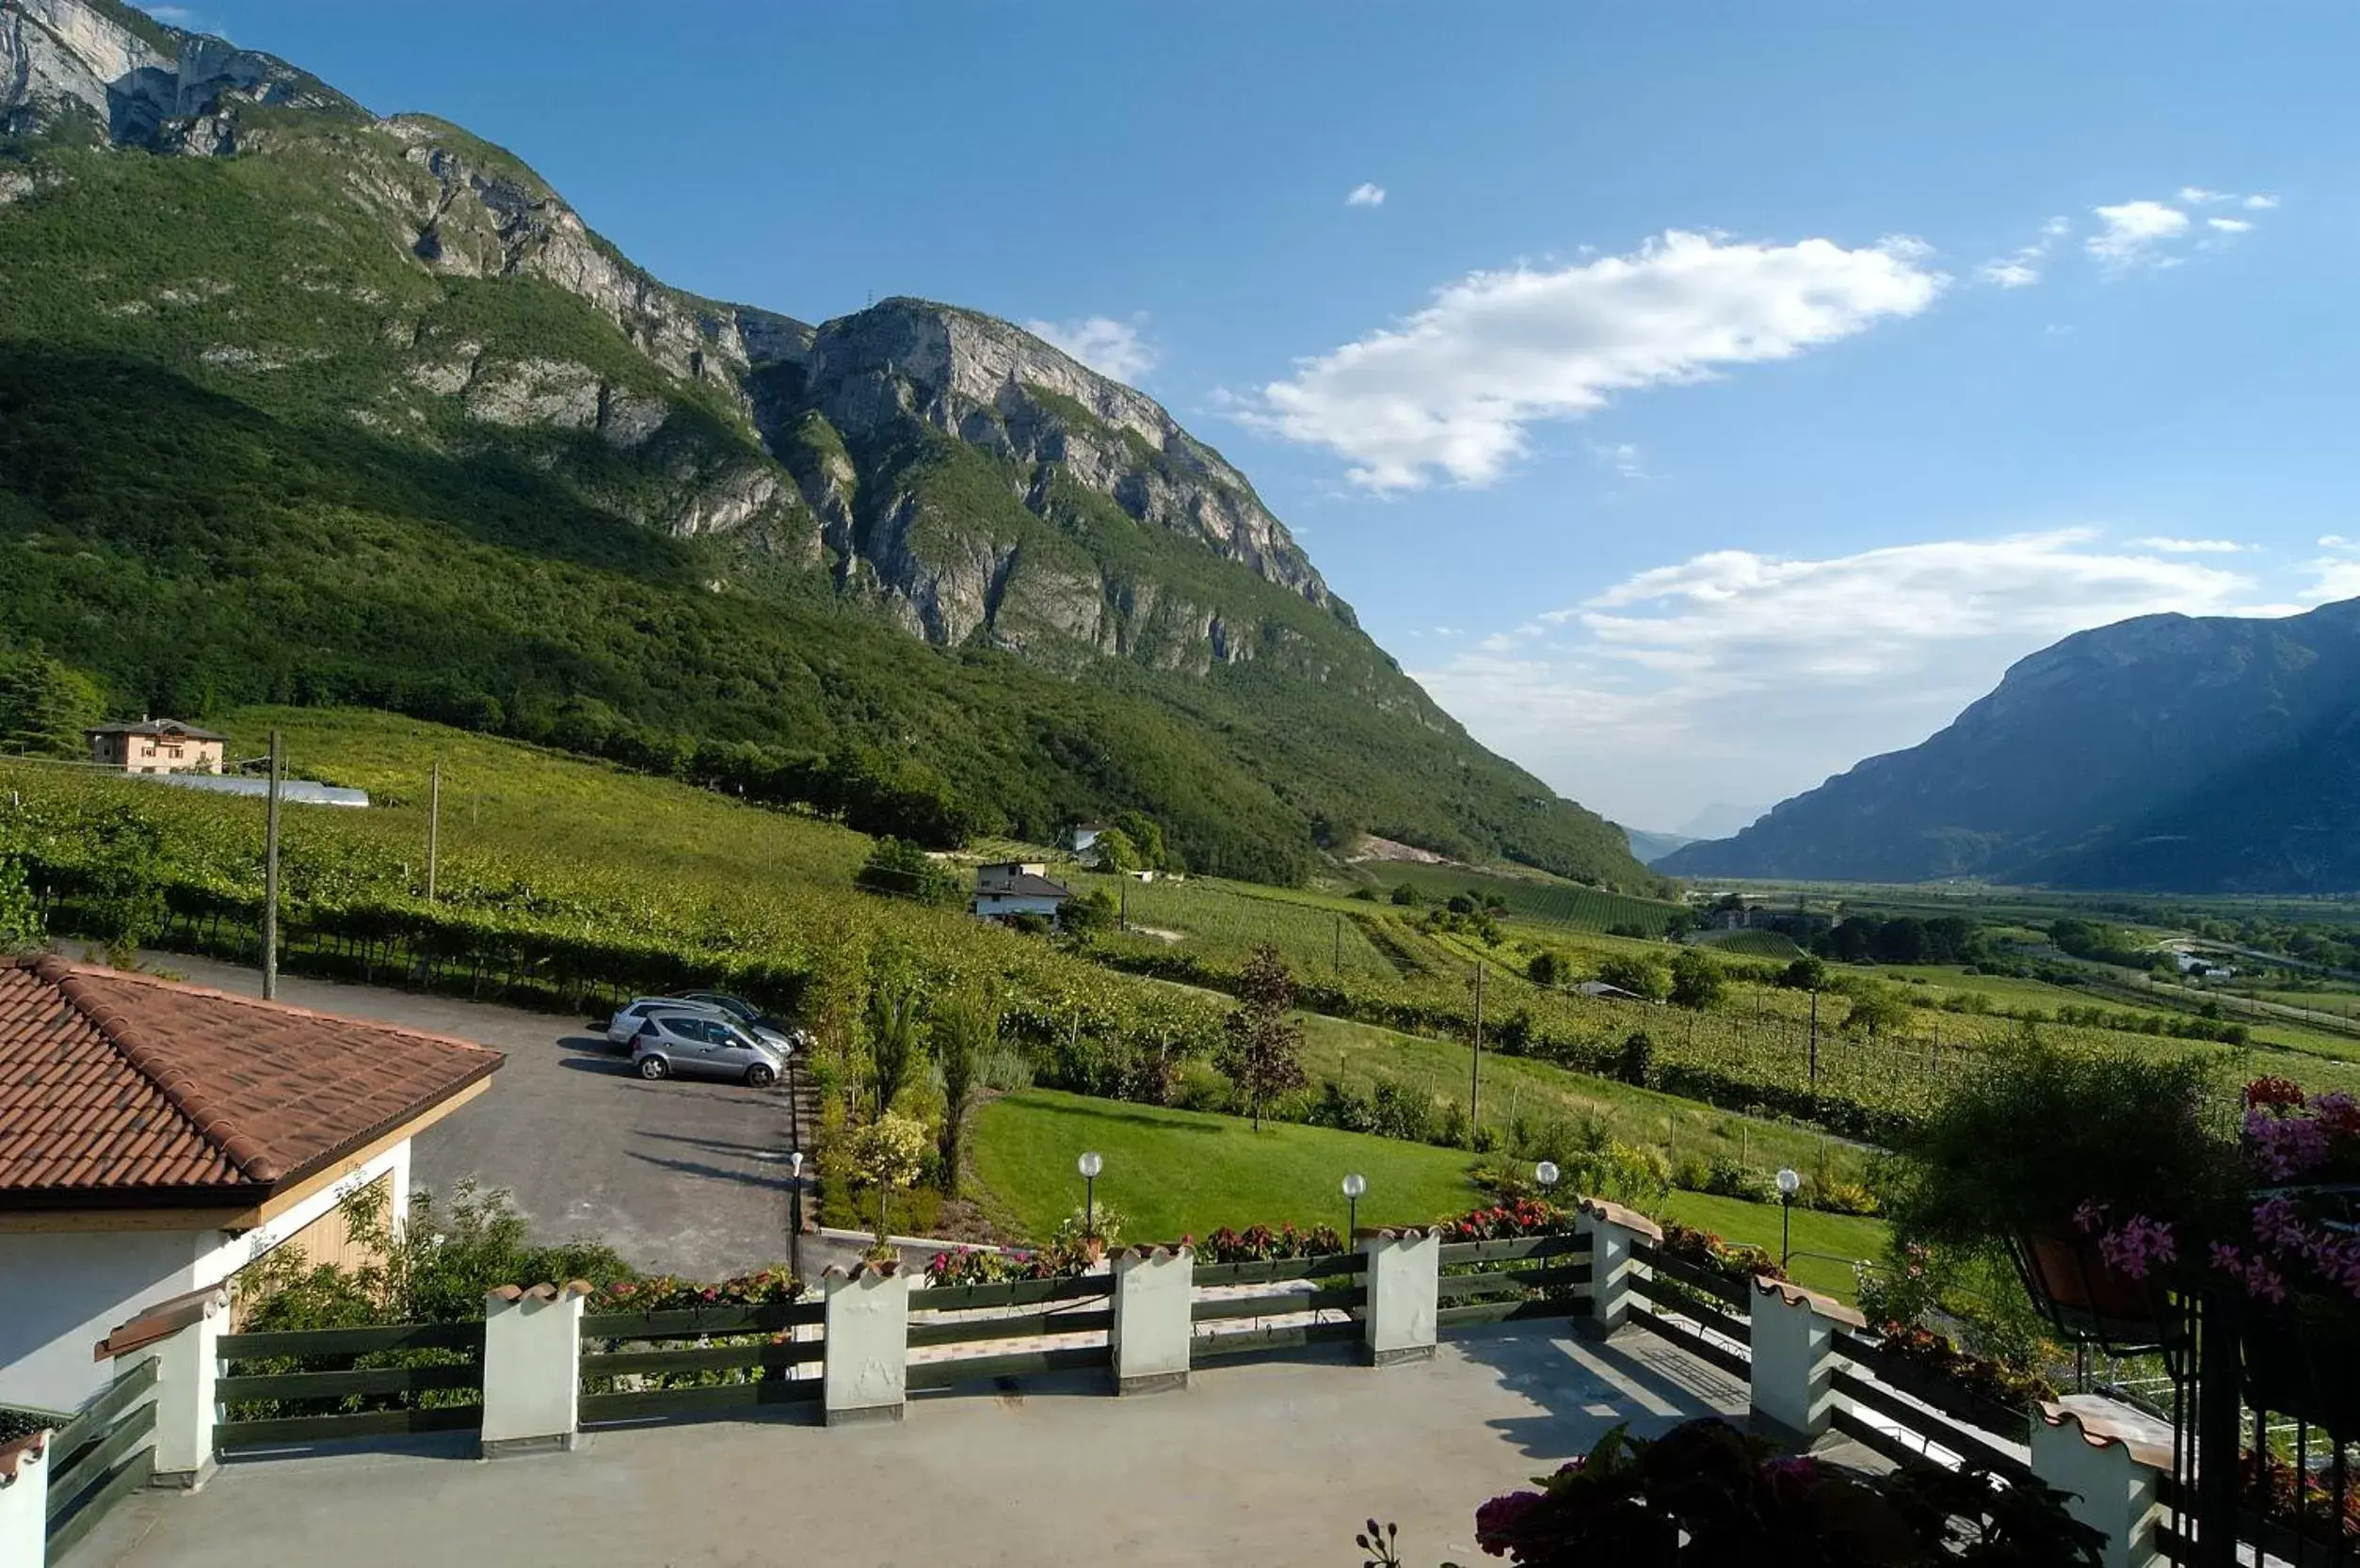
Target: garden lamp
[
  {"x": 795, "y": 1231},
  {"x": 1788, "y": 1182},
  {"x": 1089, "y": 1165},
  {"x": 1545, "y": 1172},
  {"x": 1355, "y": 1185}
]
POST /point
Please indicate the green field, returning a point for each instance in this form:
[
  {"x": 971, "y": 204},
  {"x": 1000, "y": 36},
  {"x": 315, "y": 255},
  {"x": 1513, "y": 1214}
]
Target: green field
[
  {"x": 1174, "y": 1172},
  {"x": 1225, "y": 921}
]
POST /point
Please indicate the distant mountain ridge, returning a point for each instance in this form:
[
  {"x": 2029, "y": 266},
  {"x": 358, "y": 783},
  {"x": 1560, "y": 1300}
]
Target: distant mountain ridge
[
  {"x": 2166, "y": 753},
  {"x": 303, "y": 404}
]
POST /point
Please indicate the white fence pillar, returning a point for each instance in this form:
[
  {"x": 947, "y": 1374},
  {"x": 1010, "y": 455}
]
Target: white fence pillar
[
  {"x": 1405, "y": 1269},
  {"x": 867, "y": 1371},
  {"x": 1794, "y": 1359},
  {"x": 1612, "y": 1229},
  {"x": 183, "y": 1337},
  {"x": 25, "y": 1501},
  {"x": 1154, "y": 1288},
  {"x": 531, "y": 1368},
  {"x": 2112, "y": 1470}
]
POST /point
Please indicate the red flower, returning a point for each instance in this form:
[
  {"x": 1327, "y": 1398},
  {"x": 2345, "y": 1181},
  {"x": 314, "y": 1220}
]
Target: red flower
[
  {"x": 2272, "y": 1092},
  {"x": 1496, "y": 1521}
]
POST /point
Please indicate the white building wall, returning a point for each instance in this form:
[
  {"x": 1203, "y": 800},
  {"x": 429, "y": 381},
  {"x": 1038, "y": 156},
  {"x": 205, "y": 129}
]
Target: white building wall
[{"x": 61, "y": 1293}]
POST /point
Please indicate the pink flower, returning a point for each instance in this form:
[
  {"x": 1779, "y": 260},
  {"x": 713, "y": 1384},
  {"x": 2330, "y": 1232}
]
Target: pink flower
[
  {"x": 2139, "y": 1245},
  {"x": 2090, "y": 1216}
]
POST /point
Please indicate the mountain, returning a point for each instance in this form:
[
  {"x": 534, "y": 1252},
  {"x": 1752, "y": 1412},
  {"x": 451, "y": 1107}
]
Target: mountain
[
  {"x": 2166, "y": 753},
  {"x": 303, "y": 404},
  {"x": 1650, "y": 847}
]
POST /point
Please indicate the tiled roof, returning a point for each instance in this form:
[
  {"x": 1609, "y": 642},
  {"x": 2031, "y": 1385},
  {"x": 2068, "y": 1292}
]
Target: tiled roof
[
  {"x": 156, "y": 727},
  {"x": 119, "y": 1088},
  {"x": 1025, "y": 886}
]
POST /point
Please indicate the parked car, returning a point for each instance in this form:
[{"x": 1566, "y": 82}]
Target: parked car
[
  {"x": 696, "y": 1044},
  {"x": 624, "y": 1027}
]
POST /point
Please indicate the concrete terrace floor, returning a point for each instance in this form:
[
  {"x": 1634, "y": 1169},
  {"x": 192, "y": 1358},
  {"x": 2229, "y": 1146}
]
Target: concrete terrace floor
[{"x": 1260, "y": 1463}]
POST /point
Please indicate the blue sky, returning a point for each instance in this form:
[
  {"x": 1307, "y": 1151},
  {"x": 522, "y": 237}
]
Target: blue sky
[{"x": 1715, "y": 396}]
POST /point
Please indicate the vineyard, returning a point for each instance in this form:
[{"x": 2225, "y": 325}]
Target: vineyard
[
  {"x": 1534, "y": 898},
  {"x": 570, "y": 885}
]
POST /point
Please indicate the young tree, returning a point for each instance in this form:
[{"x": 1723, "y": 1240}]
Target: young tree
[
  {"x": 1547, "y": 968},
  {"x": 889, "y": 1152},
  {"x": 1877, "y": 1011},
  {"x": 45, "y": 706},
  {"x": 1807, "y": 973},
  {"x": 1641, "y": 976},
  {"x": 964, "y": 1027},
  {"x": 894, "y": 1045},
  {"x": 1114, "y": 852},
  {"x": 1147, "y": 836},
  {"x": 1695, "y": 979},
  {"x": 1261, "y": 1048}
]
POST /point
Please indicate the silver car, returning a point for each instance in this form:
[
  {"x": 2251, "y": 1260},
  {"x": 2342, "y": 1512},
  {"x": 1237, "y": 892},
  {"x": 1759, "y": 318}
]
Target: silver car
[
  {"x": 703, "y": 1044},
  {"x": 624, "y": 1027}
]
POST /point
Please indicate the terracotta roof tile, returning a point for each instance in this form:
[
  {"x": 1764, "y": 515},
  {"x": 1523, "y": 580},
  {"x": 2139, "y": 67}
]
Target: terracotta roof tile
[{"x": 119, "y": 1086}]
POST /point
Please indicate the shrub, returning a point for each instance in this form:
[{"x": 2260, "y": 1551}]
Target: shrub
[
  {"x": 1696, "y": 981},
  {"x": 1641, "y": 976},
  {"x": 1729, "y": 1178}
]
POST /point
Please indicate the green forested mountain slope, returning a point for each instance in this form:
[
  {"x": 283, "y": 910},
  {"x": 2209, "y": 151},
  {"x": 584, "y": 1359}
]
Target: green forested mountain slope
[
  {"x": 2168, "y": 753},
  {"x": 301, "y": 405}
]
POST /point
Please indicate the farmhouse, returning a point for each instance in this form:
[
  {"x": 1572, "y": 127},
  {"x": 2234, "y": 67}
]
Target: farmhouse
[
  {"x": 1085, "y": 837},
  {"x": 156, "y": 1138},
  {"x": 1012, "y": 888},
  {"x": 156, "y": 746}
]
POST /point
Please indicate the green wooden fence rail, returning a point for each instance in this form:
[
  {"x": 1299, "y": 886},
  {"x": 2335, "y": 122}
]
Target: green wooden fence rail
[
  {"x": 1021, "y": 1325},
  {"x": 1515, "y": 1247},
  {"x": 105, "y": 1452},
  {"x": 1273, "y": 1270},
  {"x": 692, "y": 1322},
  {"x": 1021, "y": 1292},
  {"x": 419, "y": 1391},
  {"x": 1340, "y": 1298}
]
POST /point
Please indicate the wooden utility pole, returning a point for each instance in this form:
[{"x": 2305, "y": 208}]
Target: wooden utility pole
[
  {"x": 1815, "y": 1042},
  {"x": 434, "y": 826},
  {"x": 270, "y": 878},
  {"x": 1475, "y": 1063}
]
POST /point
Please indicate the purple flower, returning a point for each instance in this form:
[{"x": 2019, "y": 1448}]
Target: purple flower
[{"x": 2090, "y": 1216}]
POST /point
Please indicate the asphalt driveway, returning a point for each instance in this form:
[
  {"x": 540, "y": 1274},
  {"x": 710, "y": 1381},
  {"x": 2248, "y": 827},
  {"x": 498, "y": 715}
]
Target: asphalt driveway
[{"x": 679, "y": 1177}]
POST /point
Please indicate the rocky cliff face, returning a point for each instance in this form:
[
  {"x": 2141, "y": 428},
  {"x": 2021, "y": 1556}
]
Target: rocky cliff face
[{"x": 415, "y": 310}]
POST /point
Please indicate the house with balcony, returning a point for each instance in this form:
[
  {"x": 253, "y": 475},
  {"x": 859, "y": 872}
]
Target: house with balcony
[{"x": 1008, "y": 889}]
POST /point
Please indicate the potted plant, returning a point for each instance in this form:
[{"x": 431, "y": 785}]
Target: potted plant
[
  {"x": 2292, "y": 1265},
  {"x": 2088, "y": 1170},
  {"x": 1706, "y": 1493}
]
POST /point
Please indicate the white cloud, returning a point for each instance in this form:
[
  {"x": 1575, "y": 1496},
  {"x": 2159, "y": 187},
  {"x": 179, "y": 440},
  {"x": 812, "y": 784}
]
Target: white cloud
[
  {"x": 1739, "y": 671},
  {"x": 1453, "y": 390},
  {"x": 1366, "y": 194},
  {"x": 1107, "y": 345},
  {"x": 2261, "y": 203},
  {"x": 2190, "y": 547},
  {"x": 177, "y": 16},
  {"x": 2131, "y": 233},
  {"x": 2229, "y": 225},
  {"x": 2196, "y": 196},
  {"x": 2022, "y": 268},
  {"x": 1623, "y": 457}
]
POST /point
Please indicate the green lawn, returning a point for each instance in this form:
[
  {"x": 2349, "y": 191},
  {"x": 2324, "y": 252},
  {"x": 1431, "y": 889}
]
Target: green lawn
[
  {"x": 1170, "y": 1173},
  {"x": 1837, "y": 1236}
]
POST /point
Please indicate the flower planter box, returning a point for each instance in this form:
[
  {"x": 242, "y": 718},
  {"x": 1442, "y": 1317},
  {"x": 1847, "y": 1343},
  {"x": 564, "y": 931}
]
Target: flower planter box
[
  {"x": 1954, "y": 1399},
  {"x": 2302, "y": 1361},
  {"x": 2088, "y": 1300}
]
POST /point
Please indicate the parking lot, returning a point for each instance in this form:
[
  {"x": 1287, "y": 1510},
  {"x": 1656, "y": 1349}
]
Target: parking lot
[{"x": 679, "y": 1177}]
